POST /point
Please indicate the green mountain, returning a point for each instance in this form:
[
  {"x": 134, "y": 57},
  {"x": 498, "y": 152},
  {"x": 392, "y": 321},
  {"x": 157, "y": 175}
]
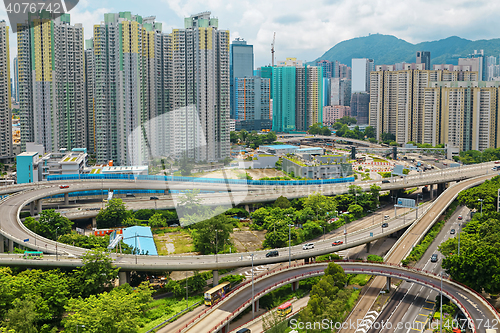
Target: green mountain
[{"x": 388, "y": 50}]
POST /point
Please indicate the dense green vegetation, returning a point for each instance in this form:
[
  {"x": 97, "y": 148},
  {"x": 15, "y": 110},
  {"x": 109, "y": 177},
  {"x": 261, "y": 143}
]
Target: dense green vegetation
[
  {"x": 328, "y": 299},
  {"x": 252, "y": 139},
  {"x": 475, "y": 156},
  {"x": 478, "y": 265},
  {"x": 314, "y": 213},
  {"x": 319, "y": 129},
  {"x": 375, "y": 46}
]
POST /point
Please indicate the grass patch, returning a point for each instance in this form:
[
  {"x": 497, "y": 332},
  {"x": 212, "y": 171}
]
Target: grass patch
[
  {"x": 162, "y": 309},
  {"x": 411, "y": 190},
  {"x": 376, "y": 159},
  {"x": 182, "y": 241},
  {"x": 359, "y": 279}
]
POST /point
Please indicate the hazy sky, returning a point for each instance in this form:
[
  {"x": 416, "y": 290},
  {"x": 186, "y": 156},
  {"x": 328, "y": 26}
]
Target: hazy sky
[{"x": 306, "y": 29}]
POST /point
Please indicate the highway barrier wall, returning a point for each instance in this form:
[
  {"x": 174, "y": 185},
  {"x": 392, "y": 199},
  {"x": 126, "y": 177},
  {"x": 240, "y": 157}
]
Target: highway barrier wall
[{"x": 202, "y": 180}]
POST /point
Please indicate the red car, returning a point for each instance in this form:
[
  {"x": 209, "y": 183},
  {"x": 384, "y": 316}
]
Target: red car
[
  {"x": 63, "y": 186},
  {"x": 336, "y": 243},
  {"x": 497, "y": 162}
]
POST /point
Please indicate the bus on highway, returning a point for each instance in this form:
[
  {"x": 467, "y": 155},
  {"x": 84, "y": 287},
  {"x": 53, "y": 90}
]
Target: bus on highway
[
  {"x": 33, "y": 255},
  {"x": 284, "y": 309},
  {"x": 214, "y": 295}
]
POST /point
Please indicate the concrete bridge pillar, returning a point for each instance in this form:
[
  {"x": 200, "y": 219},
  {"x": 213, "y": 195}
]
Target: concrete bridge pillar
[
  {"x": 225, "y": 328},
  {"x": 123, "y": 277},
  {"x": 306, "y": 260},
  {"x": 66, "y": 198},
  {"x": 256, "y": 305},
  {"x": 431, "y": 190},
  {"x": 2, "y": 244},
  {"x": 32, "y": 208},
  {"x": 216, "y": 277},
  {"x": 368, "y": 247},
  {"x": 388, "y": 284},
  {"x": 94, "y": 222},
  {"x": 295, "y": 285},
  {"x": 247, "y": 208},
  {"x": 11, "y": 246},
  {"x": 39, "y": 206}
]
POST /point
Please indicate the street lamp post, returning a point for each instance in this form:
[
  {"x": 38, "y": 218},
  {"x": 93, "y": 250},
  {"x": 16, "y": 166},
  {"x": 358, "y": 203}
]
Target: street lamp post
[
  {"x": 459, "y": 226},
  {"x": 481, "y": 200},
  {"x": 324, "y": 228},
  {"x": 441, "y": 305},
  {"x": 56, "y": 244},
  {"x": 187, "y": 302},
  {"x": 289, "y": 246},
  {"x": 253, "y": 302}
]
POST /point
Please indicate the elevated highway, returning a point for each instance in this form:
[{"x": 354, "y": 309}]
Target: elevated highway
[
  {"x": 12, "y": 226},
  {"x": 217, "y": 318}
]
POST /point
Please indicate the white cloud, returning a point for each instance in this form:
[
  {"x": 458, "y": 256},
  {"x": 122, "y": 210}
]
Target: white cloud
[{"x": 307, "y": 29}]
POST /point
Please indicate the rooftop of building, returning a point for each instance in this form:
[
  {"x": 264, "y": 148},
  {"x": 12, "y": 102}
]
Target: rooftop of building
[
  {"x": 31, "y": 154},
  {"x": 138, "y": 168},
  {"x": 280, "y": 146}
]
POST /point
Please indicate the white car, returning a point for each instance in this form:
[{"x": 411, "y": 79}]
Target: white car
[{"x": 308, "y": 246}]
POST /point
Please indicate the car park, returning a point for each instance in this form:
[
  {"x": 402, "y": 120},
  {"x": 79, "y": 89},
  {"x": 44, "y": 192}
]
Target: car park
[
  {"x": 434, "y": 258},
  {"x": 385, "y": 225},
  {"x": 337, "y": 243},
  {"x": 63, "y": 186},
  {"x": 452, "y": 231},
  {"x": 272, "y": 254},
  {"x": 308, "y": 246}
]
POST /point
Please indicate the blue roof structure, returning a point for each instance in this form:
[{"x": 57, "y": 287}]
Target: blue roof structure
[
  {"x": 280, "y": 146},
  {"x": 140, "y": 237}
]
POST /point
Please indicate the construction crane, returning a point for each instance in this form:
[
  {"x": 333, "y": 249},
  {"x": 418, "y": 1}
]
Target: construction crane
[{"x": 272, "y": 48}]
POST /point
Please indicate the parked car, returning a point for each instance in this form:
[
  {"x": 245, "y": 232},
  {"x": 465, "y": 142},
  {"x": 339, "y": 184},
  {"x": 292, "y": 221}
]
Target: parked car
[
  {"x": 452, "y": 231},
  {"x": 385, "y": 181},
  {"x": 338, "y": 242},
  {"x": 385, "y": 225},
  {"x": 153, "y": 198},
  {"x": 130, "y": 195},
  {"x": 63, "y": 186},
  {"x": 386, "y": 217},
  {"x": 459, "y": 217},
  {"x": 308, "y": 246},
  {"x": 174, "y": 225},
  {"x": 243, "y": 330},
  {"x": 434, "y": 258},
  {"x": 272, "y": 254}
]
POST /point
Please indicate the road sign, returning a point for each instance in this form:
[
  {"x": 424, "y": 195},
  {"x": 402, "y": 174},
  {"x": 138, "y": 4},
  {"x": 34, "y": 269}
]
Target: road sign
[
  {"x": 371, "y": 234},
  {"x": 26, "y": 240},
  {"x": 402, "y": 202}
]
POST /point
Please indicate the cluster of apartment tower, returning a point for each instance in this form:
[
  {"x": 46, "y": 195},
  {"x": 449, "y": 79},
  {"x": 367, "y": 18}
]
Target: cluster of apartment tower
[{"x": 133, "y": 92}]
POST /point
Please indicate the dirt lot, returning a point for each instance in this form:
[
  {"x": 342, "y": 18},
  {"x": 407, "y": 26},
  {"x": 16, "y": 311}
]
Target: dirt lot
[
  {"x": 261, "y": 173},
  {"x": 247, "y": 240}
]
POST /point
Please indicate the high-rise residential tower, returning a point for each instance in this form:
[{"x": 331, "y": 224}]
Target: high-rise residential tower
[
  {"x": 130, "y": 82},
  {"x": 240, "y": 65},
  {"x": 360, "y": 74},
  {"x": 252, "y": 95},
  {"x": 15, "y": 85},
  {"x": 200, "y": 88},
  {"x": 90, "y": 95},
  {"x": 52, "y": 82},
  {"x": 424, "y": 57},
  {"x": 5, "y": 97}
]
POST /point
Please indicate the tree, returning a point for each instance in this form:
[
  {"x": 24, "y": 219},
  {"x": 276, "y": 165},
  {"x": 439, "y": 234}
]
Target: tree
[
  {"x": 49, "y": 224},
  {"x": 273, "y": 323},
  {"x": 374, "y": 258},
  {"x": 197, "y": 282},
  {"x": 243, "y": 136},
  {"x": 325, "y": 131},
  {"x": 282, "y": 202},
  {"x": 185, "y": 165},
  {"x": 320, "y": 204},
  {"x": 347, "y": 120},
  {"x": 370, "y": 132},
  {"x": 314, "y": 129},
  {"x": 157, "y": 220},
  {"x": 375, "y": 193},
  {"x": 113, "y": 215},
  {"x": 116, "y": 311},
  {"x": 207, "y": 240},
  {"x": 96, "y": 273},
  {"x": 233, "y": 137},
  {"x": 271, "y": 137},
  {"x": 22, "y": 317},
  {"x": 144, "y": 214},
  {"x": 356, "y": 210}
]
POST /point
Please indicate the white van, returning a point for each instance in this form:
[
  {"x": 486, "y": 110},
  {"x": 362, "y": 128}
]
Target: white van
[
  {"x": 308, "y": 246},
  {"x": 386, "y": 217}
]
